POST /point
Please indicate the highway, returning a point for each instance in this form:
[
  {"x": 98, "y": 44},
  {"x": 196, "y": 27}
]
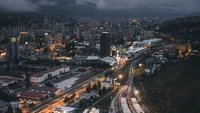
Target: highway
[
  {"x": 60, "y": 97},
  {"x": 47, "y": 105}
]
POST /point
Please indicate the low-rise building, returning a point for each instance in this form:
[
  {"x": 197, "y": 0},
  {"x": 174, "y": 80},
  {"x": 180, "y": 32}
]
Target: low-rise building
[
  {"x": 49, "y": 73},
  {"x": 35, "y": 94},
  {"x": 110, "y": 60},
  {"x": 108, "y": 82},
  {"x": 30, "y": 96}
]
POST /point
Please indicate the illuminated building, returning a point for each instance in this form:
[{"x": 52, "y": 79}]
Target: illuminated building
[{"x": 12, "y": 49}]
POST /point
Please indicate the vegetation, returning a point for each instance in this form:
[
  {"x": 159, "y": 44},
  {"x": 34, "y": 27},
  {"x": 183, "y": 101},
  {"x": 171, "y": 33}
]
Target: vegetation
[
  {"x": 18, "y": 110},
  {"x": 10, "y": 110},
  {"x": 49, "y": 84},
  {"x": 7, "y": 97},
  {"x": 70, "y": 99},
  {"x": 27, "y": 80},
  {"x": 31, "y": 104},
  {"x": 89, "y": 87},
  {"x": 183, "y": 29},
  {"x": 103, "y": 65},
  {"x": 174, "y": 89}
]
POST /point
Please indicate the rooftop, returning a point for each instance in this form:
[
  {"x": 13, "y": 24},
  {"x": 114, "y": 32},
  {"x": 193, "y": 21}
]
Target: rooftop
[
  {"x": 65, "y": 108},
  {"x": 44, "y": 88},
  {"x": 39, "y": 74},
  {"x": 32, "y": 94},
  {"x": 92, "y": 58}
]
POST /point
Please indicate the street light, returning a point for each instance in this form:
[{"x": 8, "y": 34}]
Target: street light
[
  {"x": 140, "y": 65},
  {"x": 120, "y": 76},
  {"x": 136, "y": 92}
]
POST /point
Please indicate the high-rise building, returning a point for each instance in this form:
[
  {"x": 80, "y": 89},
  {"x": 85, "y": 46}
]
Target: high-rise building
[
  {"x": 78, "y": 33},
  {"x": 12, "y": 49},
  {"x": 105, "y": 43}
]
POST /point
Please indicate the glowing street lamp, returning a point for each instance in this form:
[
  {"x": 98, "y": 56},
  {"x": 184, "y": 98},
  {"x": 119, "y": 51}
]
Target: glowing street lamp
[
  {"x": 136, "y": 92},
  {"x": 120, "y": 76},
  {"x": 140, "y": 65}
]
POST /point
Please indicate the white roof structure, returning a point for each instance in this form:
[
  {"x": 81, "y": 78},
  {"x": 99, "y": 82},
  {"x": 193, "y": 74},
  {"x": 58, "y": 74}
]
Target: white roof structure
[
  {"x": 147, "y": 42},
  {"x": 124, "y": 106},
  {"x": 109, "y": 60},
  {"x": 136, "y": 106},
  {"x": 94, "y": 110},
  {"x": 63, "y": 109},
  {"x": 135, "y": 50},
  {"x": 92, "y": 58},
  {"x": 83, "y": 43},
  {"x": 86, "y": 110},
  {"x": 147, "y": 70}
]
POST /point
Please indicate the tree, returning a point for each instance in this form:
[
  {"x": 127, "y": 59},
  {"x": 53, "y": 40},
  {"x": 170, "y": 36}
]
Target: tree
[
  {"x": 53, "y": 94},
  {"x": 18, "y": 110},
  {"x": 27, "y": 80},
  {"x": 31, "y": 104},
  {"x": 92, "y": 98},
  {"x": 10, "y": 110},
  {"x": 66, "y": 99},
  {"x": 99, "y": 84},
  {"x": 176, "y": 52},
  {"x": 89, "y": 87},
  {"x": 104, "y": 90},
  {"x": 94, "y": 87},
  {"x": 100, "y": 92},
  {"x": 73, "y": 96},
  {"x": 81, "y": 104},
  {"x": 4, "y": 96},
  {"x": 106, "y": 74}
]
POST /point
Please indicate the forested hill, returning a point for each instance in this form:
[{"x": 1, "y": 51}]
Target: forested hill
[{"x": 183, "y": 28}]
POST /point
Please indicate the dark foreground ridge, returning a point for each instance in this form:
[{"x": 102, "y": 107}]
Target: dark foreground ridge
[{"x": 175, "y": 88}]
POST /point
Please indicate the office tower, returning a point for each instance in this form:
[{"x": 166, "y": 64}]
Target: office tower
[
  {"x": 78, "y": 33},
  {"x": 12, "y": 49},
  {"x": 105, "y": 49}
]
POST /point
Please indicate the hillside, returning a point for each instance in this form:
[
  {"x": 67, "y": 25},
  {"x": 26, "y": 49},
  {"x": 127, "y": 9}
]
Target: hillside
[
  {"x": 182, "y": 28},
  {"x": 174, "y": 89}
]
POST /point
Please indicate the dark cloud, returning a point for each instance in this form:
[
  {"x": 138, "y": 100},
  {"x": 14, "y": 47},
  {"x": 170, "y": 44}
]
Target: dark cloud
[
  {"x": 47, "y": 2},
  {"x": 185, "y": 5},
  {"x": 94, "y": 7},
  {"x": 19, "y": 5}
]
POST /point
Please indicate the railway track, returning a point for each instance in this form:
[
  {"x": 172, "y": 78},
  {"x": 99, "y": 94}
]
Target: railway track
[{"x": 126, "y": 91}]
